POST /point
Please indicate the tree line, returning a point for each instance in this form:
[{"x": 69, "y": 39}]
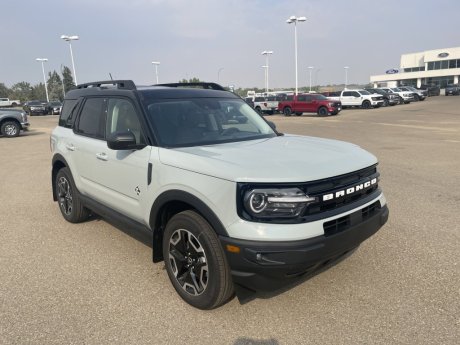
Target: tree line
[{"x": 57, "y": 86}]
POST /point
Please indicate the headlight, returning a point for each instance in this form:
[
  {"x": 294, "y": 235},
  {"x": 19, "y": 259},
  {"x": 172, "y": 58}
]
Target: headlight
[
  {"x": 24, "y": 117},
  {"x": 275, "y": 202}
]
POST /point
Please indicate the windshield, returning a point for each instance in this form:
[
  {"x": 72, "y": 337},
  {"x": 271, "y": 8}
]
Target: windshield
[
  {"x": 205, "y": 121},
  {"x": 395, "y": 89}
]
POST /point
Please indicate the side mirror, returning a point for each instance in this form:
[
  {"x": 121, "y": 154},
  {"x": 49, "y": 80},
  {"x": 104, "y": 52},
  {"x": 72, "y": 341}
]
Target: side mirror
[{"x": 122, "y": 141}]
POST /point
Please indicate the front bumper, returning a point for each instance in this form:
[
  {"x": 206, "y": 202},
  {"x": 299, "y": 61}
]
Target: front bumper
[
  {"x": 25, "y": 125},
  {"x": 377, "y": 103},
  {"x": 266, "y": 266}
]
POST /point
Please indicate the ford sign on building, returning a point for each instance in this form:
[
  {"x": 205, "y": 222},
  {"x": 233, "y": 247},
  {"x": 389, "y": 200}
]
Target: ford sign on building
[{"x": 439, "y": 67}]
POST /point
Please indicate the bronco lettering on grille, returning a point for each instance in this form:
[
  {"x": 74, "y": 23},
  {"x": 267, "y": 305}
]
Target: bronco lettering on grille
[{"x": 349, "y": 191}]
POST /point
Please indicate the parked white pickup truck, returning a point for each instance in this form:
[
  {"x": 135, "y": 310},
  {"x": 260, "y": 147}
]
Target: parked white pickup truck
[
  {"x": 359, "y": 98},
  {"x": 266, "y": 105},
  {"x": 6, "y": 102}
]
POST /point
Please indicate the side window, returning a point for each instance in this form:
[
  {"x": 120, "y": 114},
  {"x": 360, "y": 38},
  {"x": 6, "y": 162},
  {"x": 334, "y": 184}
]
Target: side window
[
  {"x": 308, "y": 98},
  {"x": 355, "y": 94},
  {"x": 122, "y": 117},
  {"x": 91, "y": 120},
  {"x": 346, "y": 94},
  {"x": 67, "y": 108},
  {"x": 301, "y": 98}
]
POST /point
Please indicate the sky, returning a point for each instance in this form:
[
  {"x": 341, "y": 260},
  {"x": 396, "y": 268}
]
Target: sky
[{"x": 197, "y": 38}]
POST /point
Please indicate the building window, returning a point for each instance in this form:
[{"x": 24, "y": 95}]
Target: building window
[
  {"x": 430, "y": 65},
  {"x": 452, "y": 63}
]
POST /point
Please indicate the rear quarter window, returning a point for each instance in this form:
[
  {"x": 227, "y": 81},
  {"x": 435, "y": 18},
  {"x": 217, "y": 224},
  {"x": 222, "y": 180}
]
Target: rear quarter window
[{"x": 65, "y": 120}]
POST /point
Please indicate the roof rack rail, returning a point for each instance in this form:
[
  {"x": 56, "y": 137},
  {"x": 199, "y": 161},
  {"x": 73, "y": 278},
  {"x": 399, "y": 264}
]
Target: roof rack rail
[
  {"x": 203, "y": 85},
  {"x": 121, "y": 84}
]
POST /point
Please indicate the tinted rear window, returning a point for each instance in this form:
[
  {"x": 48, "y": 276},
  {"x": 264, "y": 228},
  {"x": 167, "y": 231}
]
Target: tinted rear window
[{"x": 67, "y": 107}]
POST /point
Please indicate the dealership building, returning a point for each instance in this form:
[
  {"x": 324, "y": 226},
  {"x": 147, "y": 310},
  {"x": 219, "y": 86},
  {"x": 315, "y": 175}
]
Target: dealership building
[{"x": 439, "y": 67}]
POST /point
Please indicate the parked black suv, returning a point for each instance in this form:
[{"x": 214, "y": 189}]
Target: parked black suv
[
  {"x": 35, "y": 108},
  {"x": 432, "y": 89}
]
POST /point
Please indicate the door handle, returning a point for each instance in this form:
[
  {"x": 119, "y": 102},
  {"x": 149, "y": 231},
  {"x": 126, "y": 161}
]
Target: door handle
[
  {"x": 102, "y": 156},
  {"x": 70, "y": 147}
]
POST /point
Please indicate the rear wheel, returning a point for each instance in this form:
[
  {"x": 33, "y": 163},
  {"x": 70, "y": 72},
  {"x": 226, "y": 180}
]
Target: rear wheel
[
  {"x": 386, "y": 103},
  {"x": 322, "y": 111},
  {"x": 298, "y": 113},
  {"x": 10, "y": 129},
  {"x": 287, "y": 111},
  {"x": 69, "y": 201},
  {"x": 258, "y": 109},
  {"x": 195, "y": 261}
]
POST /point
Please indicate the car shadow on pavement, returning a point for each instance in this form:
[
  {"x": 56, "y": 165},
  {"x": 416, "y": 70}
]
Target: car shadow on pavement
[{"x": 249, "y": 341}]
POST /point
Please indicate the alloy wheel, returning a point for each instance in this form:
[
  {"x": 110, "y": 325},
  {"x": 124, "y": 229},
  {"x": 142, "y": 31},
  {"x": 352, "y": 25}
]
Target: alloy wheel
[
  {"x": 65, "y": 195},
  {"x": 188, "y": 262}
]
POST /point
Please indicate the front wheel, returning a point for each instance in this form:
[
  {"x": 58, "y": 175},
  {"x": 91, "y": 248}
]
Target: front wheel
[
  {"x": 287, "y": 111},
  {"x": 322, "y": 111},
  {"x": 298, "y": 113},
  {"x": 386, "y": 103},
  {"x": 366, "y": 105},
  {"x": 195, "y": 261},
  {"x": 10, "y": 129}
]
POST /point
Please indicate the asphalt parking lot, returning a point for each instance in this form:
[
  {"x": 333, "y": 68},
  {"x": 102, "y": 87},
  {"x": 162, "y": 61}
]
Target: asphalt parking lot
[{"x": 91, "y": 283}]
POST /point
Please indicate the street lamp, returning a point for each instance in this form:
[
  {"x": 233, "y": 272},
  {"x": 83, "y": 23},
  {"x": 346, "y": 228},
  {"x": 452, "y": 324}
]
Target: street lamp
[
  {"x": 70, "y": 39},
  {"x": 62, "y": 82},
  {"x": 346, "y": 75},
  {"x": 266, "y": 53},
  {"x": 156, "y": 64},
  {"x": 310, "y": 69},
  {"x": 294, "y": 19},
  {"x": 265, "y": 67},
  {"x": 43, "y": 60},
  {"x": 218, "y": 73}
]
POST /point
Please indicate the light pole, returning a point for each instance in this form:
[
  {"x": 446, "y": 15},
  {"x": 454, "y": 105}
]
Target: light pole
[
  {"x": 62, "y": 81},
  {"x": 218, "y": 73},
  {"x": 43, "y": 60},
  {"x": 310, "y": 69},
  {"x": 156, "y": 64},
  {"x": 294, "y": 19},
  {"x": 265, "y": 67},
  {"x": 346, "y": 75},
  {"x": 70, "y": 39},
  {"x": 266, "y": 53}
]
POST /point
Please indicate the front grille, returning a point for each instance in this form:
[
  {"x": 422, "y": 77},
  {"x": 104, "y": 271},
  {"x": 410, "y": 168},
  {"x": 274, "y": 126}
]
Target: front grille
[{"x": 334, "y": 185}]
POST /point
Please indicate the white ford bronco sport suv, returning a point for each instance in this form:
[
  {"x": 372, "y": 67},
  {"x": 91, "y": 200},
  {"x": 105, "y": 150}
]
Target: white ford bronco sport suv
[{"x": 228, "y": 202}]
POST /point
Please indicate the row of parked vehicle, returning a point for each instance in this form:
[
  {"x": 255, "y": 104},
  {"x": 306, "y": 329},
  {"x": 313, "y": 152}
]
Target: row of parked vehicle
[
  {"x": 42, "y": 107},
  {"x": 331, "y": 103}
]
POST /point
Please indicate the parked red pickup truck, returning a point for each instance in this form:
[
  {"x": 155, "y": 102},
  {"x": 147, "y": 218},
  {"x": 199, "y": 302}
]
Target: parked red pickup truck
[{"x": 309, "y": 103}]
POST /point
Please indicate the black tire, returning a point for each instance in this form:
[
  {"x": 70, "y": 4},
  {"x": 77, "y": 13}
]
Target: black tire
[
  {"x": 298, "y": 113},
  {"x": 69, "y": 201},
  {"x": 366, "y": 105},
  {"x": 258, "y": 109},
  {"x": 386, "y": 103},
  {"x": 10, "y": 129},
  {"x": 287, "y": 111},
  {"x": 322, "y": 111},
  {"x": 191, "y": 245}
]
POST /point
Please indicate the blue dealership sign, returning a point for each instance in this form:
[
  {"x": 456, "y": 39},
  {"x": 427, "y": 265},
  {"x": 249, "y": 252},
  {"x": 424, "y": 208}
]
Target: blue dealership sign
[{"x": 392, "y": 71}]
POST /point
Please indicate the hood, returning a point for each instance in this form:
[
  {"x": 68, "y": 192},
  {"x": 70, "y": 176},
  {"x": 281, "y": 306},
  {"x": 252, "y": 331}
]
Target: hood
[{"x": 286, "y": 158}]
